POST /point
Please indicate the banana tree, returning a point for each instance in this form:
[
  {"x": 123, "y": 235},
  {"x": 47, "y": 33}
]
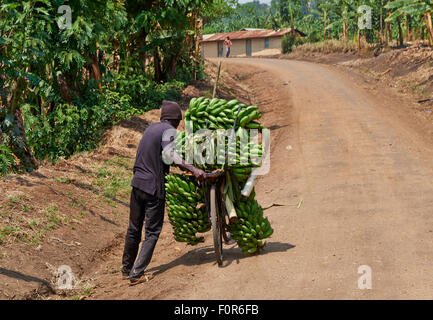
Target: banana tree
[
  {"x": 341, "y": 9},
  {"x": 323, "y": 9},
  {"x": 412, "y": 8},
  {"x": 290, "y": 12},
  {"x": 162, "y": 27},
  {"x": 24, "y": 38},
  {"x": 95, "y": 25},
  {"x": 44, "y": 65}
]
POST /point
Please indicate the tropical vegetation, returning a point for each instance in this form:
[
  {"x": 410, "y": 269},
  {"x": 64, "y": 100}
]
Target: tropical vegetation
[
  {"x": 69, "y": 69},
  {"x": 377, "y": 21}
]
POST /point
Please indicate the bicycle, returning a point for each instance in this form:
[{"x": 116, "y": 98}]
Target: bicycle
[
  {"x": 215, "y": 203},
  {"x": 217, "y": 212}
]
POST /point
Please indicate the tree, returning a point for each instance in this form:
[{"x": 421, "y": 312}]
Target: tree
[
  {"x": 323, "y": 9},
  {"x": 238, "y": 16},
  {"x": 341, "y": 9},
  {"x": 24, "y": 30},
  {"x": 400, "y": 8},
  {"x": 290, "y": 11},
  {"x": 46, "y": 70}
]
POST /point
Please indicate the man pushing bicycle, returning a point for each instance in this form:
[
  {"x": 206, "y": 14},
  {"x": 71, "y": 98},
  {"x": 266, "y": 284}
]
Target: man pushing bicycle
[{"x": 148, "y": 192}]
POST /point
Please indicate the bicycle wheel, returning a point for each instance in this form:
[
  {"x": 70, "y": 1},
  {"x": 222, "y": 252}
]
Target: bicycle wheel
[{"x": 216, "y": 227}]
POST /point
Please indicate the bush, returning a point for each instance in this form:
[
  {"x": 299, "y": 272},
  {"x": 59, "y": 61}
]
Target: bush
[
  {"x": 287, "y": 43},
  {"x": 166, "y": 91},
  {"x": 70, "y": 129},
  {"x": 79, "y": 127},
  {"x": 7, "y": 160},
  {"x": 76, "y": 128},
  {"x": 185, "y": 71},
  {"x": 315, "y": 36},
  {"x": 145, "y": 94},
  {"x": 299, "y": 41}
]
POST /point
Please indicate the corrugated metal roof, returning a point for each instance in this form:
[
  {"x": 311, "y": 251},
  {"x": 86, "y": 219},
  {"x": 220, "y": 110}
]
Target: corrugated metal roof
[
  {"x": 205, "y": 36},
  {"x": 248, "y": 34}
]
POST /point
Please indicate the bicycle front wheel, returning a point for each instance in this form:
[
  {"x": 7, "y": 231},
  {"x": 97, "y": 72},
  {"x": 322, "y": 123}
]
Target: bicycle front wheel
[{"x": 216, "y": 227}]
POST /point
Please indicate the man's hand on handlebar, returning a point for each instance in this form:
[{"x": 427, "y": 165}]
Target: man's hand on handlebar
[
  {"x": 177, "y": 159},
  {"x": 199, "y": 174}
]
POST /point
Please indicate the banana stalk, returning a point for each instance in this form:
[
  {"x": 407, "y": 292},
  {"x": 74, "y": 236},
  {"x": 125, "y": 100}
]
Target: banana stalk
[{"x": 233, "y": 217}]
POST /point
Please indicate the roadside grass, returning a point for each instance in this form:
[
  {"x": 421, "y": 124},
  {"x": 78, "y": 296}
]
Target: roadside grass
[
  {"x": 32, "y": 230},
  {"x": 110, "y": 180},
  {"x": 419, "y": 90},
  {"x": 12, "y": 232},
  {"x": 113, "y": 179},
  {"x": 51, "y": 220},
  {"x": 19, "y": 201},
  {"x": 74, "y": 203},
  {"x": 62, "y": 180},
  {"x": 15, "y": 200},
  {"x": 329, "y": 46},
  {"x": 85, "y": 292},
  {"x": 14, "y": 225},
  {"x": 120, "y": 162},
  {"x": 22, "y": 220}
]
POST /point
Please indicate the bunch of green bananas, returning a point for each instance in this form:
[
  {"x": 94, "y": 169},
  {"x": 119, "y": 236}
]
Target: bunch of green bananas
[
  {"x": 251, "y": 227},
  {"x": 240, "y": 155},
  {"x": 183, "y": 199},
  {"x": 205, "y": 113},
  {"x": 246, "y": 154},
  {"x": 180, "y": 142}
]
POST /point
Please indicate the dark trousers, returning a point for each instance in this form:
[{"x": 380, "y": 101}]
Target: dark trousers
[
  {"x": 228, "y": 53},
  {"x": 143, "y": 207}
]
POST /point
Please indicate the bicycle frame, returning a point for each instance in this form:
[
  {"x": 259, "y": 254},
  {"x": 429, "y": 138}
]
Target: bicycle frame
[{"x": 213, "y": 188}]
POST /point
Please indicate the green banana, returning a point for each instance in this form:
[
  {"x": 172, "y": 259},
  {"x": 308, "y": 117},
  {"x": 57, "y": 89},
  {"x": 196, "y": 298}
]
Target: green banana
[
  {"x": 183, "y": 197},
  {"x": 232, "y": 103},
  {"x": 192, "y": 102}
]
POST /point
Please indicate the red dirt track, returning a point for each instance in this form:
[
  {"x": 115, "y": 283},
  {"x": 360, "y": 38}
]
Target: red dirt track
[{"x": 359, "y": 158}]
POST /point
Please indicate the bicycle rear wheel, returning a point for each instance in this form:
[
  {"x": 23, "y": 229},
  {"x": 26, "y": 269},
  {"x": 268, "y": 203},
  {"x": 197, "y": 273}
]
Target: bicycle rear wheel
[{"x": 216, "y": 226}]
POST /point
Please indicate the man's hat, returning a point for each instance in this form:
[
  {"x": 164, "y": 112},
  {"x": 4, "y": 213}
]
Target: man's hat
[{"x": 170, "y": 111}]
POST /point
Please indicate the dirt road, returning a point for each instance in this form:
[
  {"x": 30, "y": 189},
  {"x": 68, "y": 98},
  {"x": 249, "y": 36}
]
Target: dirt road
[{"x": 359, "y": 158}]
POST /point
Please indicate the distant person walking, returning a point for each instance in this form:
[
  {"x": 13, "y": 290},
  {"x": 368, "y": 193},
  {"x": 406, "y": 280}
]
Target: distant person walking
[{"x": 228, "y": 44}]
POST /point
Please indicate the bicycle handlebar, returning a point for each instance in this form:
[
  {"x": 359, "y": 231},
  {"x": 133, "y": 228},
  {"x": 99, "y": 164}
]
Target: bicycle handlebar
[{"x": 214, "y": 174}]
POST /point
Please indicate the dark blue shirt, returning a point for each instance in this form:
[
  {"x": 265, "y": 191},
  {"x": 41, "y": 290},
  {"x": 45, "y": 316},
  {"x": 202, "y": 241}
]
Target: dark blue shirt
[{"x": 149, "y": 168}]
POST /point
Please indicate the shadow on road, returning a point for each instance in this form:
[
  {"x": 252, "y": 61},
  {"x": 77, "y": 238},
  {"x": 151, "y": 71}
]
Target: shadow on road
[
  {"x": 205, "y": 255},
  {"x": 276, "y": 127},
  {"x": 235, "y": 254},
  {"x": 24, "y": 277}
]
